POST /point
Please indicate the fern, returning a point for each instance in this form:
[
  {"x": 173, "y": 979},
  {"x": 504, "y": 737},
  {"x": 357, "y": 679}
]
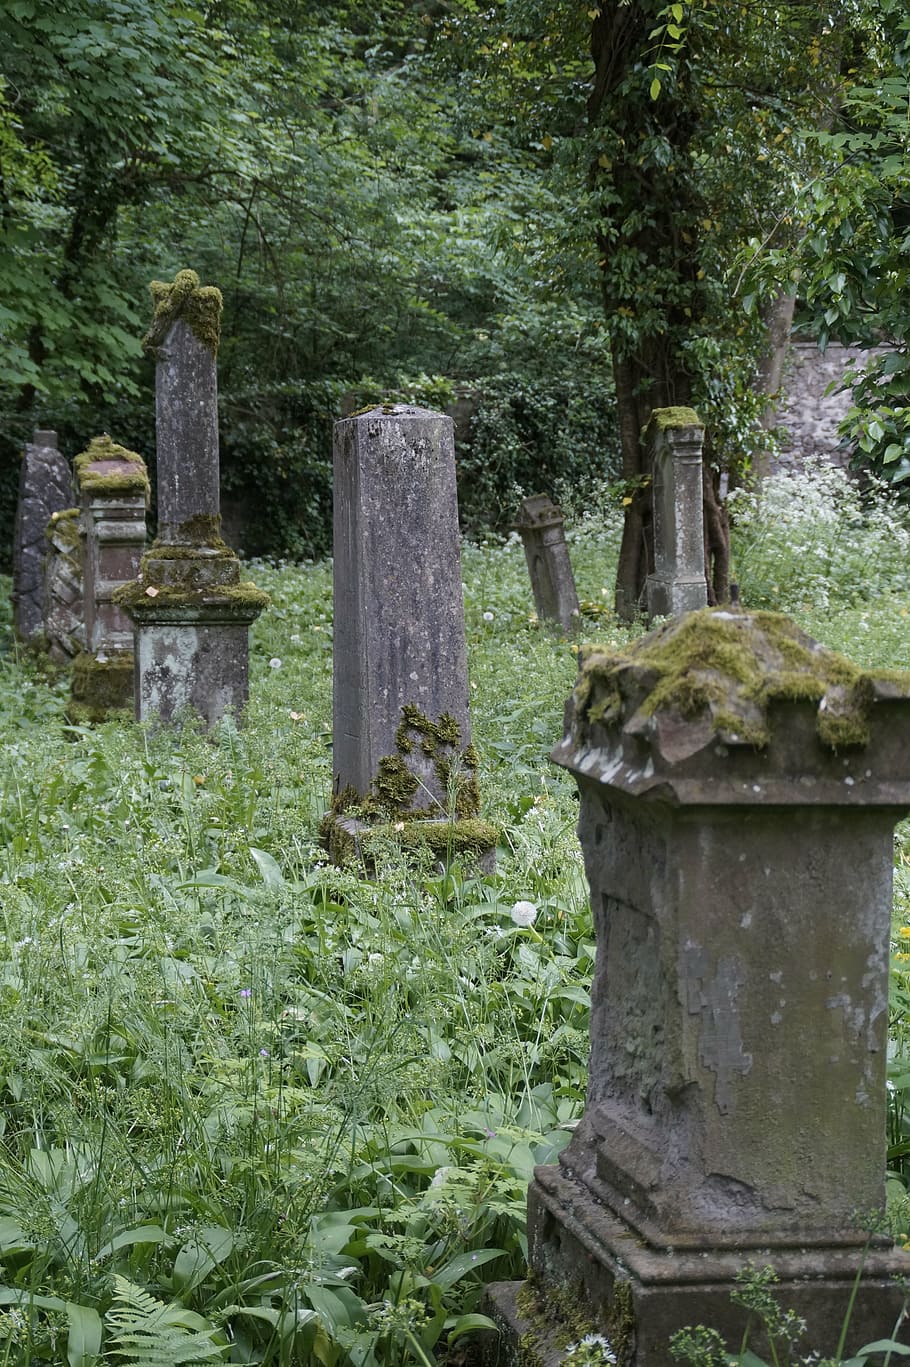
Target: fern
[{"x": 147, "y": 1333}]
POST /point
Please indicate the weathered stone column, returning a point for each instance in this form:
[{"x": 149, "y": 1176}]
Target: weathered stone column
[
  {"x": 542, "y": 530},
  {"x": 678, "y": 583},
  {"x": 113, "y": 488},
  {"x": 64, "y": 612},
  {"x": 739, "y": 788},
  {"x": 190, "y": 610},
  {"x": 45, "y": 487},
  {"x": 402, "y": 733}
]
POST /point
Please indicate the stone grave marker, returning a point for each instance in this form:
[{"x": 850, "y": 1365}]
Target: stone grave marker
[
  {"x": 191, "y": 611},
  {"x": 401, "y": 724},
  {"x": 45, "y": 487},
  {"x": 113, "y": 488},
  {"x": 542, "y": 529},
  {"x": 739, "y": 789},
  {"x": 678, "y": 583},
  {"x": 64, "y": 615}
]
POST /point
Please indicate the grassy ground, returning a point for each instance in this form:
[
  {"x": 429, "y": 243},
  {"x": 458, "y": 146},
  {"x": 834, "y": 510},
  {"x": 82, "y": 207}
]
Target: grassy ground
[{"x": 257, "y": 1109}]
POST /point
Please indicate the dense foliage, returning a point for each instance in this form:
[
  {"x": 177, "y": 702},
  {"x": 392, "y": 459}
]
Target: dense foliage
[{"x": 306, "y": 159}]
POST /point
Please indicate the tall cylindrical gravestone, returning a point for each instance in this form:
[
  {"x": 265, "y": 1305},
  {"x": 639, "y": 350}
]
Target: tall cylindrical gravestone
[
  {"x": 190, "y": 610},
  {"x": 739, "y": 789},
  {"x": 401, "y": 723}
]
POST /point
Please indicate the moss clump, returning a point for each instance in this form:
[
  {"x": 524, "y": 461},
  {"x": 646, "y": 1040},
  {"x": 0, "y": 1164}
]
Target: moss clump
[
  {"x": 185, "y": 300},
  {"x": 136, "y": 597},
  {"x": 62, "y": 530},
  {"x": 202, "y": 530},
  {"x": 445, "y": 840},
  {"x": 132, "y": 481},
  {"x": 663, "y": 418},
  {"x": 394, "y": 784},
  {"x": 729, "y": 667}
]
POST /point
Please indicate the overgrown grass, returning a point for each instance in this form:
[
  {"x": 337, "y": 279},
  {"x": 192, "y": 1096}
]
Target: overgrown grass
[{"x": 257, "y": 1109}]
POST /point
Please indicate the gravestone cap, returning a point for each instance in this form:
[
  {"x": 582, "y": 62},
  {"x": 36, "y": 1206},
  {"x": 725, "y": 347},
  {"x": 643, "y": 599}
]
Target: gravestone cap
[
  {"x": 538, "y": 511},
  {"x": 720, "y": 706},
  {"x": 105, "y": 467},
  {"x": 44, "y": 436}
]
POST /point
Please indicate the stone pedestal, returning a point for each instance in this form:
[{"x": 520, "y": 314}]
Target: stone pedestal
[
  {"x": 45, "y": 488},
  {"x": 191, "y": 612},
  {"x": 402, "y": 738},
  {"x": 113, "y": 488},
  {"x": 739, "y": 788},
  {"x": 542, "y": 530},
  {"x": 678, "y": 583}
]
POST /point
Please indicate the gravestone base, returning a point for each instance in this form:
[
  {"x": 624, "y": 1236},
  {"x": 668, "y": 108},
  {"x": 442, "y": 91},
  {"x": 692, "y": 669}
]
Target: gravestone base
[
  {"x": 193, "y": 657},
  {"x": 102, "y": 688},
  {"x": 591, "y": 1272},
  {"x": 191, "y": 622},
  {"x": 673, "y": 597},
  {"x": 350, "y": 840}
]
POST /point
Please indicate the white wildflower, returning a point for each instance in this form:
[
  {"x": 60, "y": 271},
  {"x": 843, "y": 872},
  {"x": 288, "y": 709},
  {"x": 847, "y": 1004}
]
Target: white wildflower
[{"x": 524, "y": 913}]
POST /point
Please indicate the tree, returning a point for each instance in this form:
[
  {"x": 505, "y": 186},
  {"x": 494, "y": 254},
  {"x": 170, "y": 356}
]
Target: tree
[{"x": 686, "y": 148}]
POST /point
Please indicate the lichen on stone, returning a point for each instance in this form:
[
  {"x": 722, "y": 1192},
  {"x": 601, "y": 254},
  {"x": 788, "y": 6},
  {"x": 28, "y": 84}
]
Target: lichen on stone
[
  {"x": 727, "y": 667},
  {"x": 135, "y": 480},
  {"x": 185, "y": 300}
]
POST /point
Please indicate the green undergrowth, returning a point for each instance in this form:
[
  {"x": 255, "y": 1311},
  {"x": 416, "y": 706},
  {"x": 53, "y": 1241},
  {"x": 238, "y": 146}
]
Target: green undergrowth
[{"x": 257, "y": 1109}]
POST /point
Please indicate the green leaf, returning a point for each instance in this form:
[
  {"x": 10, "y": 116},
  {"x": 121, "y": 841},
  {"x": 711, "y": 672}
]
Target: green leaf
[
  {"x": 83, "y": 1343},
  {"x": 655, "y": 88},
  {"x": 268, "y": 868},
  {"x": 463, "y": 1263},
  {"x": 466, "y": 1324},
  {"x": 142, "y": 1234}
]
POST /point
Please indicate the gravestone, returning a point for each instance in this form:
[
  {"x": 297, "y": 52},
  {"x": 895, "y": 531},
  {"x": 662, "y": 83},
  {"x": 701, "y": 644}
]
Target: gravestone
[
  {"x": 45, "y": 487},
  {"x": 678, "y": 583},
  {"x": 64, "y": 615},
  {"x": 542, "y": 529},
  {"x": 401, "y": 724},
  {"x": 190, "y": 610},
  {"x": 113, "y": 488},
  {"x": 739, "y": 789}
]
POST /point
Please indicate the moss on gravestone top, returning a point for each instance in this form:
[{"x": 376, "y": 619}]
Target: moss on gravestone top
[
  {"x": 185, "y": 300},
  {"x": 662, "y": 418},
  {"x": 102, "y": 450},
  {"x": 727, "y": 667}
]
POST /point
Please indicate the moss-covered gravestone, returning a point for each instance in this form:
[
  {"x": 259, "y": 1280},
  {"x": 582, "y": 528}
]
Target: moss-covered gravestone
[
  {"x": 45, "y": 487},
  {"x": 542, "y": 529},
  {"x": 113, "y": 488},
  {"x": 401, "y": 726},
  {"x": 678, "y": 583},
  {"x": 190, "y": 610},
  {"x": 739, "y": 789}
]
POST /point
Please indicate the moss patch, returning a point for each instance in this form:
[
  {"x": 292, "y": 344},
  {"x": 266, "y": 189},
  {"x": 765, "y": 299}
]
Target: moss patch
[
  {"x": 132, "y": 481},
  {"x": 728, "y": 667},
  {"x": 185, "y": 300},
  {"x": 663, "y": 418},
  {"x": 62, "y": 531},
  {"x": 136, "y": 597},
  {"x": 446, "y": 840},
  {"x": 101, "y": 686},
  {"x": 202, "y": 530}
]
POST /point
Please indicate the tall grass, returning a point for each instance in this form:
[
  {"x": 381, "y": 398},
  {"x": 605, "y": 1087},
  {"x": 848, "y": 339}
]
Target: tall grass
[{"x": 258, "y": 1109}]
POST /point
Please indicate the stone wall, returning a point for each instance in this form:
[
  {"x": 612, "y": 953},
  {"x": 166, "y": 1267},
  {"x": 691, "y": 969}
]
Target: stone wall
[{"x": 807, "y": 413}]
